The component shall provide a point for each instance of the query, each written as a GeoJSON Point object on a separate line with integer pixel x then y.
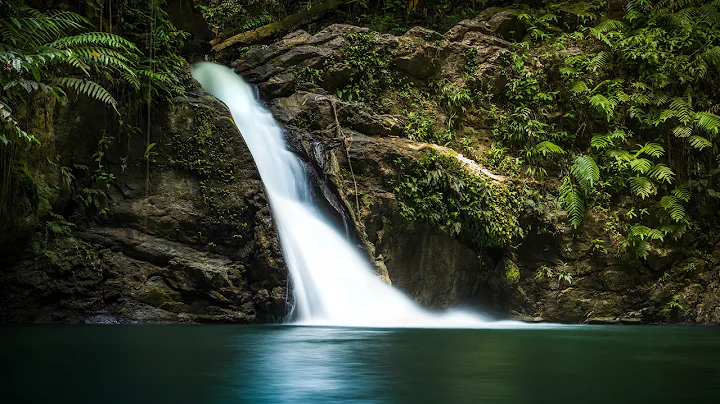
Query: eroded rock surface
{"type": "Point", "coordinates": [200, 246]}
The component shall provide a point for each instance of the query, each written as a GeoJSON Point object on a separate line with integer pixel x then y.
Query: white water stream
{"type": "Point", "coordinates": [333, 283]}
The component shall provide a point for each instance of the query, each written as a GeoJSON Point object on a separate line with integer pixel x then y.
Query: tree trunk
{"type": "Point", "coordinates": [275, 29]}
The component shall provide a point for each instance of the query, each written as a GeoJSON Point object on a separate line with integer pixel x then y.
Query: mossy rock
{"type": "Point", "coordinates": [159, 297]}
{"type": "Point", "coordinates": [511, 272]}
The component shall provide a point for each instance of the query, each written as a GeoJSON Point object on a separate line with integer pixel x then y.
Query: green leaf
{"type": "Point", "coordinates": [661, 172]}
{"type": "Point", "coordinates": [579, 87]}
{"type": "Point", "coordinates": [682, 131]}
{"type": "Point", "coordinates": [603, 140]}
{"type": "Point", "coordinates": [708, 122]}
{"type": "Point", "coordinates": [651, 149]}
{"type": "Point", "coordinates": [682, 193]}
{"type": "Point", "coordinates": [643, 233]}
{"type": "Point", "coordinates": [89, 88]}
{"type": "Point", "coordinates": [572, 201]}
{"type": "Point", "coordinates": [699, 142]}
{"type": "Point", "coordinates": [672, 206]}
{"type": "Point", "coordinates": [148, 149]}
{"type": "Point", "coordinates": [642, 187]}
{"type": "Point", "coordinates": [641, 165]}
{"type": "Point", "coordinates": [547, 147]}
{"type": "Point", "coordinates": [586, 172]}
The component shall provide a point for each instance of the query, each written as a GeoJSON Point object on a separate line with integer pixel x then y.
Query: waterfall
{"type": "Point", "coordinates": [333, 282]}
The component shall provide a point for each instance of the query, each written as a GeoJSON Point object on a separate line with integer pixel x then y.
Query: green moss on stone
{"type": "Point", "coordinates": [202, 151]}
{"type": "Point", "coordinates": [159, 297]}
{"type": "Point", "coordinates": [512, 272]}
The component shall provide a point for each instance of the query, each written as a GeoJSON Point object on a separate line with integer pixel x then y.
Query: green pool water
{"type": "Point", "coordinates": [288, 364]}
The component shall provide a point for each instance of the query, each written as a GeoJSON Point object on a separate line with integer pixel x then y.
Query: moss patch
{"type": "Point", "coordinates": [203, 150]}
{"type": "Point", "coordinates": [511, 272]}
{"type": "Point", "coordinates": [439, 191]}
{"type": "Point", "coordinates": [160, 297]}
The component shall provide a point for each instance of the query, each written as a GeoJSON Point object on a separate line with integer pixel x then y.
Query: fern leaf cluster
{"type": "Point", "coordinates": [36, 46]}
{"type": "Point", "coordinates": [638, 101]}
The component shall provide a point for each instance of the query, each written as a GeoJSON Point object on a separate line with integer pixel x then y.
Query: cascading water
{"type": "Point", "coordinates": [333, 283]}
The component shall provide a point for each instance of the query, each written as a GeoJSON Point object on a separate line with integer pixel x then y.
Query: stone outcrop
{"type": "Point", "coordinates": [200, 246]}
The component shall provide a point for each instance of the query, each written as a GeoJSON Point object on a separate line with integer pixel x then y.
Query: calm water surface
{"type": "Point", "coordinates": [285, 364]}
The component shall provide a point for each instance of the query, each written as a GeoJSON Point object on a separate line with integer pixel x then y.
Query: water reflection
{"type": "Point", "coordinates": [283, 364]}
{"type": "Point", "coordinates": [313, 364]}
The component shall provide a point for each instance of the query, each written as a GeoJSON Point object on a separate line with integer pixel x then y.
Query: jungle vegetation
{"type": "Point", "coordinates": [617, 108]}
{"type": "Point", "coordinates": [123, 54]}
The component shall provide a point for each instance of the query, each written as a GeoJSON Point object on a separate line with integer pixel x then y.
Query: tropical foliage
{"type": "Point", "coordinates": [440, 191]}
{"type": "Point", "coordinates": [51, 53]}
{"type": "Point", "coordinates": [638, 113]}
{"type": "Point", "coordinates": [62, 54]}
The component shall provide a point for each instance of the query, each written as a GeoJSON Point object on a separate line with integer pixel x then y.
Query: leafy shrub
{"type": "Point", "coordinates": [439, 191]}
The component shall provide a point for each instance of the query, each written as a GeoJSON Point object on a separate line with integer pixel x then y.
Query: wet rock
{"type": "Point", "coordinates": [617, 280]}
{"type": "Point", "coordinates": [501, 22]}
{"type": "Point", "coordinates": [187, 251]}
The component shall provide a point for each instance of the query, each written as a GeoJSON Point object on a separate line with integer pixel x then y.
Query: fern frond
{"type": "Point", "coordinates": [258, 21]}
{"type": "Point", "coordinates": [682, 193]}
{"type": "Point", "coordinates": [699, 142]}
{"type": "Point", "coordinates": [579, 87]}
{"type": "Point", "coordinates": [103, 57]}
{"type": "Point", "coordinates": [599, 61]}
{"type": "Point", "coordinates": [28, 27]}
{"type": "Point", "coordinates": [568, 71]}
{"type": "Point", "coordinates": [640, 98]}
{"type": "Point", "coordinates": [643, 233]}
{"type": "Point", "coordinates": [711, 56]}
{"type": "Point", "coordinates": [642, 187]}
{"type": "Point", "coordinates": [610, 25]}
{"type": "Point", "coordinates": [599, 35]}
{"type": "Point", "coordinates": [572, 201]}
{"type": "Point", "coordinates": [660, 98]}
{"type": "Point", "coordinates": [603, 105]}
{"type": "Point", "coordinates": [673, 207]}
{"type": "Point", "coordinates": [683, 18]}
{"type": "Point", "coordinates": [641, 165]}
{"type": "Point", "coordinates": [661, 172]}
{"type": "Point", "coordinates": [600, 141]}
{"type": "Point", "coordinates": [634, 15]}
{"type": "Point", "coordinates": [89, 88]}
{"type": "Point", "coordinates": [651, 149]}
{"type": "Point", "coordinates": [586, 172]}
{"type": "Point", "coordinates": [682, 110]}
{"type": "Point", "coordinates": [621, 155]}
{"type": "Point", "coordinates": [93, 38]}
{"type": "Point", "coordinates": [547, 147]}
{"type": "Point", "coordinates": [682, 131]}
{"type": "Point", "coordinates": [709, 14]}
{"type": "Point", "coordinates": [708, 122]}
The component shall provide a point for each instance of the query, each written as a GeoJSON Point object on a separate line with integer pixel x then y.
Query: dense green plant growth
{"type": "Point", "coordinates": [625, 108]}
{"type": "Point", "coordinates": [439, 191]}
{"type": "Point", "coordinates": [225, 16]}
{"type": "Point", "coordinates": [372, 66]}
{"type": "Point", "coordinates": [49, 53]}
{"type": "Point", "coordinates": [124, 54]}
{"type": "Point", "coordinates": [422, 127]}
{"type": "Point", "coordinates": [397, 16]}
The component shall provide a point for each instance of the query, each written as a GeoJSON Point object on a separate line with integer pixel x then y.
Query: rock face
{"type": "Point", "coordinates": [200, 246]}
{"type": "Point", "coordinates": [553, 274]}
{"type": "Point", "coordinates": [354, 147]}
